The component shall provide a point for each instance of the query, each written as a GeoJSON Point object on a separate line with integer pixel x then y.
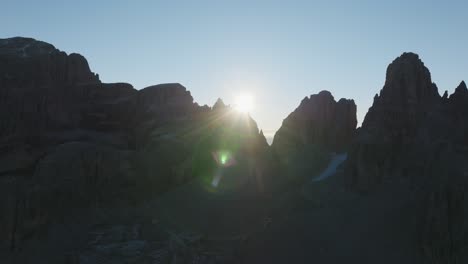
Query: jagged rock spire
{"type": "Point", "coordinates": [460, 90]}
{"type": "Point", "coordinates": [408, 81]}
{"type": "Point", "coordinates": [407, 93]}
{"type": "Point", "coordinates": [219, 104]}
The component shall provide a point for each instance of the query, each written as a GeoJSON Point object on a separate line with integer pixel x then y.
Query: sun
{"type": "Point", "coordinates": [244, 103]}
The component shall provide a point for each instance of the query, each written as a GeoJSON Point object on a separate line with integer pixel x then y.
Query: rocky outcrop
{"type": "Point", "coordinates": [458, 103]}
{"type": "Point", "coordinates": [165, 101]}
{"type": "Point", "coordinates": [219, 105]}
{"type": "Point", "coordinates": [27, 61]}
{"type": "Point", "coordinates": [319, 121]}
{"type": "Point", "coordinates": [460, 94]}
{"type": "Point", "coordinates": [413, 138]}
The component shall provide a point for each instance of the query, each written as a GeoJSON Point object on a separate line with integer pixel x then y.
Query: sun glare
{"type": "Point", "coordinates": [244, 103]}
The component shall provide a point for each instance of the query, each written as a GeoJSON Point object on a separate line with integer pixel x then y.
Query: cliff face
{"type": "Point", "coordinates": [318, 121]}
{"type": "Point", "coordinates": [413, 138]}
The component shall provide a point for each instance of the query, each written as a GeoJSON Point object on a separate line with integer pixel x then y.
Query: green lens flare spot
{"type": "Point", "coordinates": [223, 158]}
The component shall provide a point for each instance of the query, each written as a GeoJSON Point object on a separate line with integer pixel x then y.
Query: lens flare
{"type": "Point", "coordinates": [224, 159]}
{"type": "Point", "coordinates": [216, 179]}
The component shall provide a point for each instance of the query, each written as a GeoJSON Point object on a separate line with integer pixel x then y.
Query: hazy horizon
{"type": "Point", "coordinates": [277, 52]}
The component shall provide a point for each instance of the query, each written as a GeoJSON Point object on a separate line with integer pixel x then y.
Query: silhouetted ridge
{"type": "Point", "coordinates": [460, 92]}
{"type": "Point", "coordinates": [318, 121]}
{"type": "Point", "coordinates": [19, 47]}
{"type": "Point", "coordinates": [26, 60]}
{"type": "Point", "coordinates": [219, 105]}
{"type": "Point", "coordinates": [71, 144]}
{"type": "Point", "coordinates": [166, 97]}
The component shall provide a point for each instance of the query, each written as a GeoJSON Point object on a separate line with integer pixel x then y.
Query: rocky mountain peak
{"type": "Point", "coordinates": [458, 102]}
{"type": "Point", "coordinates": [445, 95]}
{"type": "Point", "coordinates": [462, 86]}
{"type": "Point", "coordinates": [219, 104]}
{"type": "Point", "coordinates": [24, 47]}
{"type": "Point", "coordinates": [461, 90]}
{"type": "Point", "coordinates": [318, 121]}
{"type": "Point", "coordinates": [407, 116]}
{"type": "Point", "coordinates": [407, 94]}
{"type": "Point", "coordinates": [27, 59]}
{"type": "Point", "coordinates": [408, 81]}
{"type": "Point", "coordinates": [262, 139]}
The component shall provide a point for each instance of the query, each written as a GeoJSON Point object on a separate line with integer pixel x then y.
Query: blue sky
{"type": "Point", "coordinates": [280, 51]}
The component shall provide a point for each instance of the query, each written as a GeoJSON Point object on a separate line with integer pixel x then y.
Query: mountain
{"type": "Point", "coordinates": [318, 120]}
{"type": "Point", "coordinates": [414, 139]}
{"type": "Point", "coordinates": [81, 158]}
{"type": "Point", "coordinates": [317, 128]}
{"type": "Point", "coordinates": [70, 142]}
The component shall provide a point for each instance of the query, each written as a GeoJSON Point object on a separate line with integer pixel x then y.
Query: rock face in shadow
{"type": "Point", "coordinates": [69, 141]}
{"type": "Point", "coordinates": [319, 122]}
{"type": "Point", "coordinates": [414, 138]}
{"type": "Point", "coordinates": [393, 121]}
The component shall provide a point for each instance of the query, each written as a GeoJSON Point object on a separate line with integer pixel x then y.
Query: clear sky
{"type": "Point", "coordinates": [279, 51]}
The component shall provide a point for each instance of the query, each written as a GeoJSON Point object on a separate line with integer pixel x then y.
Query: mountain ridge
{"type": "Point", "coordinates": [69, 141]}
